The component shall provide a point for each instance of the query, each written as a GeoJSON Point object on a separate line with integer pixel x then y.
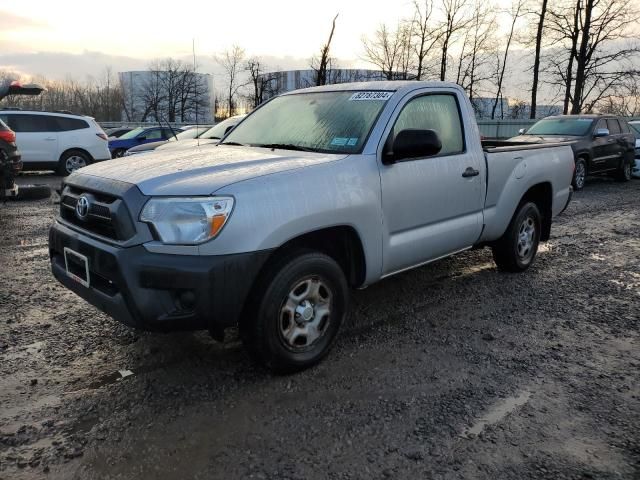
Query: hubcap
{"type": "Point", "coordinates": [305, 313]}
{"type": "Point", "coordinates": [580, 174]}
{"type": "Point", "coordinates": [526, 234]}
{"type": "Point", "coordinates": [75, 162]}
{"type": "Point", "coordinates": [627, 171]}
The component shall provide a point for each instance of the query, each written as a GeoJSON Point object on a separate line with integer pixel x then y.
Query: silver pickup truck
{"type": "Point", "coordinates": [315, 192]}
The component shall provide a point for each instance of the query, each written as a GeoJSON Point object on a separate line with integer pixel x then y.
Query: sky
{"type": "Point", "coordinates": [60, 36]}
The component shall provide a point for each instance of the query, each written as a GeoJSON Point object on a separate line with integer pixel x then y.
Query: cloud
{"type": "Point", "coordinates": [9, 21]}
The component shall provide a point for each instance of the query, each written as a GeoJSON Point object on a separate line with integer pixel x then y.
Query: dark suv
{"type": "Point", "coordinates": [601, 144]}
{"type": "Point", "coordinates": [9, 158]}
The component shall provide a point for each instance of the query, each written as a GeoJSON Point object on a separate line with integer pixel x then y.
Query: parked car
{"type": "Point", "coordinates": [210, 137]}
{"type": "Point", "coordinates": [316, 191]}
{"type": "Point", "coordinates": [139, 136]}
{"type": "Point", "coordinates": [188, 133]}
{"type": "Point", "coordinates": [56, 141]}
{"type": "Point", "coordinates": [635, 129]}
{"type": "Point", "coordinates": [601, 144]}
{"type": "Point", "coordinates": [117, 132]}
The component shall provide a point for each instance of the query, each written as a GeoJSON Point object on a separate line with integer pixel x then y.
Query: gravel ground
{"type": "Point", "coordinates": [449, 371]}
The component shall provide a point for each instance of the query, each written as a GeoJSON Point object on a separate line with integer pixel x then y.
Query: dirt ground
{"type": "Point", "coordinates": [450, 371]}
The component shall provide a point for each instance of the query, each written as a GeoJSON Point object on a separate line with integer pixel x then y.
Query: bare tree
{"type": "Point", "coordinates": [536, 62]}
{"type": "Point", "coordinates": [425, 34]}
{"type": "Point", "coordinates": [231, 60]}
{"type": "Point", "coordinates": [516, 11]}
{"type": "Point", "coordinates": [478, 50]}
{"type": "Point", "coordinates": [597, 49]}
{"type": "Point", "coordinates": [387, 49]}
{"type": "Point", "coordinates": [457, 19]}
{"type": "Point", "coordinates": [322, 65]}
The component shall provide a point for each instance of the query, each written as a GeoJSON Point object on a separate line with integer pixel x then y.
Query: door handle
{"type": "Point", "coordinates": [49, 139]}
{"type": "Point", "coordinates": [470, 172]}
{"type": "Point", "coordinates": [611, 140]}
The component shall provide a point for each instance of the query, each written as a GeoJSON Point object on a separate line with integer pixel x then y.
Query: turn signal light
{"type": "Point", "coordinates": [102, 136]}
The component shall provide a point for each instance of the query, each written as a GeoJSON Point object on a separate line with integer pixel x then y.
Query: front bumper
{"type": "Point", "coordinates": [154, 291]}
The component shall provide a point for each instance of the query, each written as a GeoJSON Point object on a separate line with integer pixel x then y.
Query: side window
{"type": "Point", "coordinates": [601, 124]}
{"type": "Point", "coordinates": [624, 126]}
{"type": "Point", "coordinates": [64, 124]}
{"type": "Point", "coordinates": [613, 126]}
{"type": "Point", "coordinates": [153, 134]}
{"type": "Point", "coordinates": [166, 133]}
{"type": "Point", "coordinates": [29, 123]}
{"type": "Point", "coordinates": [434, 112]}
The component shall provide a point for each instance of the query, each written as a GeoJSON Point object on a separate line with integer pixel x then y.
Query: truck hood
{"type": "Point", "coordinates": [203, 170]}
{"type": "Point", "coordinates": [544, 138]}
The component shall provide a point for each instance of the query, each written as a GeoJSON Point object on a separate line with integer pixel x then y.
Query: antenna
{"type": "Point", "coordinates": [195, 88]}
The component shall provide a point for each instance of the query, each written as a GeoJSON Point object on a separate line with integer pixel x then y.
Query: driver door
{"type": "Point", "coordinates": [429, 208]}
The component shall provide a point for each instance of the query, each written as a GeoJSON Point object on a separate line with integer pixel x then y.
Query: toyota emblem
{"type": "Point", "coordinates": [82, 207]}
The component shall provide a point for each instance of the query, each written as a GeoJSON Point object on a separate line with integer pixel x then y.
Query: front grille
{"type": "Point", "coordinates": [107, 215]}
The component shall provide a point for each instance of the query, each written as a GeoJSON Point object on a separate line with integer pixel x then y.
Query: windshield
{"type": "Point", "coordinates": [217, 131]}
{"type": "Point", "coordinates": [132, 134]}
{"type": "Point", "coordinates": [334, 122]}
{"type": "Point", "coordinates": [188, 134]}
{"type": "Point", "coordinates": [561, 126]}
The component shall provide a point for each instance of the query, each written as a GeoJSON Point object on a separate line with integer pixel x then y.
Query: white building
{"type": "Point", "coordinates": [163, 96]}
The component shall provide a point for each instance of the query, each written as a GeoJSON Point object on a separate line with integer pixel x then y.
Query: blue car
{"type": "Point", "coordinates": [138, 136]}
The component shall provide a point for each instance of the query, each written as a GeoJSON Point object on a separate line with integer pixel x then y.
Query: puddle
{"type": "Point", "coordinates": [497, 413]}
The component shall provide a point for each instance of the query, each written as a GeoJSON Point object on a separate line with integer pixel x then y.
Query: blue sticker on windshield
{"type": "Point", "coordinates": [352, 142]}
{"type": "Point", "coordinates": [340, 141]}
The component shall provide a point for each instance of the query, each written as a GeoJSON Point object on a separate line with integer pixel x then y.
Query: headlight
{"type": "Point", "coordinates": [187, 221]}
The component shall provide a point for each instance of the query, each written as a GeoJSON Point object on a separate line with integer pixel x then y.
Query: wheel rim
{"type": "Point", "coordinates": [580, 174]}
{"type": "Point", "coordinates": [74, 162]}
{"type": "Point", "coordinates": [526, 237]}
{"type": "Point", "coordinates": [119, 153]}
{"type": "Point", "coordinates": [305, 314]}
{"type": "Point", "coordinates": [627, 171]}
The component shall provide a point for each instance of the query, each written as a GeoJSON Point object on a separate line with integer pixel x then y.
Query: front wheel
{"type": "Point", "coordinates": [517, 248]}
{"type": "Point", "coordinates": [624, 172]}
{"type": "Point", "coordinates": [579, 174]}
{"type": "Point", "coordinates": [297, 307]}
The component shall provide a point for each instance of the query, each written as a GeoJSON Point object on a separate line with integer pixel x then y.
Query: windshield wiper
{"type": "Point", "coordinates": [233, 143]}
{"type": "Point", "coordinates": [284, 146]}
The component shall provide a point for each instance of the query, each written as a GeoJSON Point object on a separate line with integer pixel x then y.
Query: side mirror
{"type": "Point", "coordinates": [522, 131]}
{"type": "Point", "coordinates": [413, 143]}
{"type": "Point", "coordinates": [142, 139]}
{"type": "Point", "coordinates": [229, 128]}
{"type": "Point", "coordinates": [601, 132]}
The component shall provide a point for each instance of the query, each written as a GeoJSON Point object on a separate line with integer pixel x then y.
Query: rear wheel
{"type": "Point", "coordinates": [517, 248]}
{"type": "Point", "coordinates": [580, 174]}
{"type": "Point", "coordinates": [296, 310]}
{"type": "Point", "coordinates": [72, 161]}
{"type": "Point", "coordinates": [33, 192]}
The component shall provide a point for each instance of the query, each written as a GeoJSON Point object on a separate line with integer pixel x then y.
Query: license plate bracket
{"type": "Point", "coordinates": [77, 266]}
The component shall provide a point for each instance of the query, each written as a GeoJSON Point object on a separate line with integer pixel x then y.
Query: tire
{"type": "Point", "coordinates": [72, 161]}
{"type": "Point", "coordinates": [624, 172]}
{"type": "Point", "coordinates": [579, 174]}
{"type": "Point", "coordinates": [118, 153]}
{"type": "Point", "coordinates": [295, 311]}
{"type": "Point", "coordinates": [33, 192]}
{"type": "Point", "coordinates": [516, 250]}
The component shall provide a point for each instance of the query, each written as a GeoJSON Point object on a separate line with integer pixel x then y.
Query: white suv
{"type": "Point", "coordinates": [58, 141]}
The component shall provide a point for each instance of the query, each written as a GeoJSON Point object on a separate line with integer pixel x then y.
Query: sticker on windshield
{"type": "Point", "coordinates": [362, 96]}
{"type": "Point", "coordinates": [344, 141]}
